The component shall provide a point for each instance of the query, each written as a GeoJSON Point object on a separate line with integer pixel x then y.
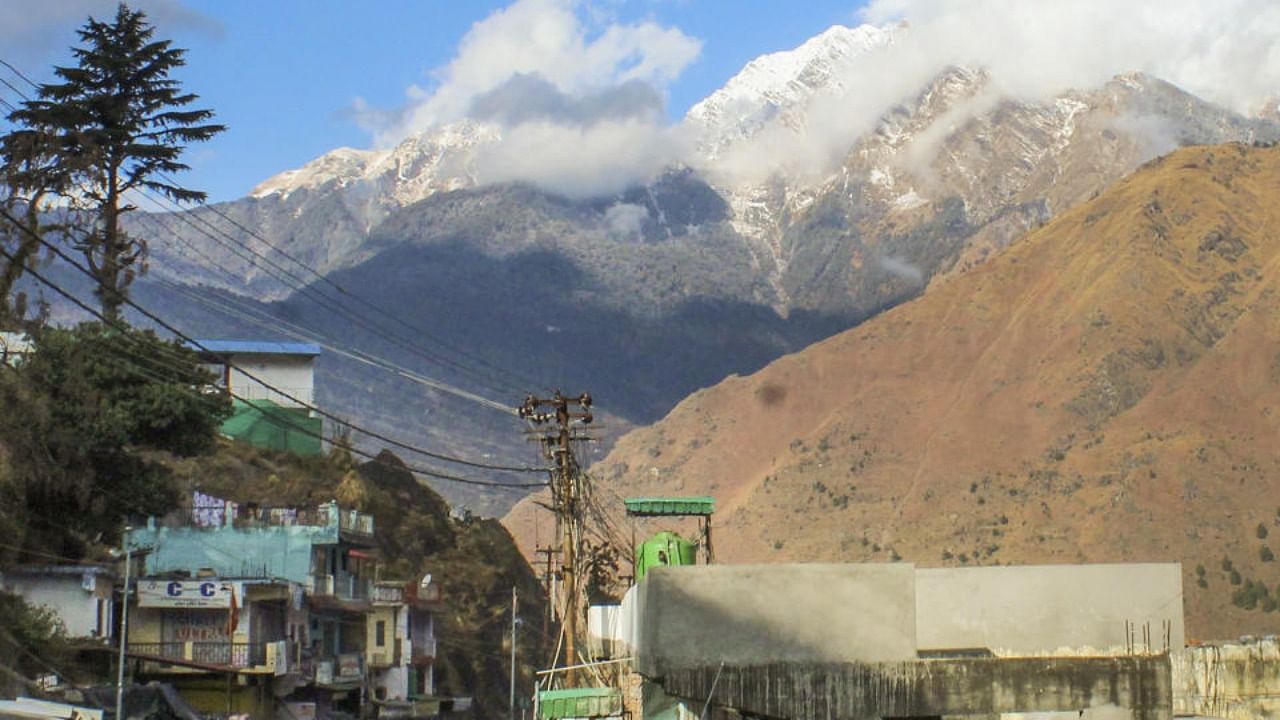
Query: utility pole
{"type": "Point", "coordinates": [547, 577]}
{"type": "Point", "coordinates": [124, 626]}
{"type": "Point", "coordinates": [569, 492]}
{"type": "Point", "coordinates": [513, 652]}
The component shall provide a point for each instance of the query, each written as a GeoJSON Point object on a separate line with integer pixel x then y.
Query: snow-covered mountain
{"type": "Point", "coordinates": [434, 161]}
{"type": "Point", "coordinates": [777, 89]}
{"type": "Point", "coordinates": [648, 295]}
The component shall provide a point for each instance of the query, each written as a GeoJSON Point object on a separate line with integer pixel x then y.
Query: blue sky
{"type": "Point", "coordinates": [283, 75]}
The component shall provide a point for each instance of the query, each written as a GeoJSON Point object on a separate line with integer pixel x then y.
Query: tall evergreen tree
{"type": "Point", "coordinates": [116, 124]}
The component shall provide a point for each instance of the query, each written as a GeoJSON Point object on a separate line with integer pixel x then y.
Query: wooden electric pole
{"type": "Point", "coordinates": [569, 492]}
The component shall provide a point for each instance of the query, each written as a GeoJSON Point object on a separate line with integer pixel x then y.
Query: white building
{"type": "Point", "coordinates": [14, 347]}
{"type": "Point", "coordinates": [283, 372]}
{"type": "Point", "coordinates": [80, 595]}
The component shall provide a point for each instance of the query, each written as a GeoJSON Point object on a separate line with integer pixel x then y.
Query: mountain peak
{"type": "Point", "coordinates": [781, 82]}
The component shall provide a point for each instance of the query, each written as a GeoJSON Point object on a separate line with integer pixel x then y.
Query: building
{"type": "Point", "coordinates": [80, 595]}
{"type": "Point", "coordinates": [893, 640]}
{"type": "Point", "coordinates": [14, 347]}
{"type": "Point", "coordinates": [273, 389]}
{"type": "Point", "coordinates": [246, 608]}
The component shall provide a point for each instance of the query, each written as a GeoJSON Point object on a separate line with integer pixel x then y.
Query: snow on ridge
{"type": "Point", "coordinates": [781, 81]}
{"type": "Point", "coordinates": [435, 159]}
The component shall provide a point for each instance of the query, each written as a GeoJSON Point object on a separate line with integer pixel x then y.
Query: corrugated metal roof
{"type": "Point", "coordinates": [659, 506]}
{"type": "Point", "coordinates": [254, 347]}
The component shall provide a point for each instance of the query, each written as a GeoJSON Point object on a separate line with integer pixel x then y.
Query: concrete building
{"type": "Point", "coordinates": [80, 595]}
{"type": "Point", "coordinates": [273, 389]}
{"type": "Point", "coordinates": [874, 641]}
{"type": "Point", "coordinates": [244, 608]}
{"type": "Point", "coordinates": [284, 366]}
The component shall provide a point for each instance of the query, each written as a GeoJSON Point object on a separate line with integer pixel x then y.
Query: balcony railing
{"type": "Point", "coordinates": [214, 513]}
{"type": "Point", "coordinates": [267, 656]}
{"type": "Point", "coordinates": [424, 650]}
{"type": "Point", "coordinates": [340, 669]}
{"type": "Point", "coordinates": [346, 587]}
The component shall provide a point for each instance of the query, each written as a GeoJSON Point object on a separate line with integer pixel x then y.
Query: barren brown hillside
{"type": "Point", "coordinates": [1107, 389]}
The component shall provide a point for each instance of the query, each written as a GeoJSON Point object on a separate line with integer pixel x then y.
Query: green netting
{"type": "Point", "coordinates": [268, 425]}
{"type": "Point", "coordinates": [579, 703]}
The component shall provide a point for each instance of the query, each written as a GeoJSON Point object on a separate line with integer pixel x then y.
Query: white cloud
{"type": "Point", "coordinates": [549, 39]}
{"type": "Point", "coordinates": [579, 101]}
{"type": "Point", "coordinates": [904, 269]}
{"type": "Point", "coordinates": [626, 220]}
{"type": "Point", "coordinates": [1227, 51]}
{"type": "Point", "coordinates": [601, 159]}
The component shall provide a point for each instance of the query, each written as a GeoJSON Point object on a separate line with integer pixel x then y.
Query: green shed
{"type": "Point", "coordinates": [664, 548]}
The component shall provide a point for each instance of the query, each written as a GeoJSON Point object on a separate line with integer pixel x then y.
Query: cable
{"type": "Point", "coordinates": [343, 291]}
{"type": "Point", "coordinates": [195, 344]}
{"type": "Point", "coordinates": [18, 72]}
{"type": "Point", "coordinates": [297, 284]}
{"type": "Point", "coordinates": [288, 421]}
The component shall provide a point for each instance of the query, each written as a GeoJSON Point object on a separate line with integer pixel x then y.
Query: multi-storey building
{"type": "Point", "coordinates": [245, 608]}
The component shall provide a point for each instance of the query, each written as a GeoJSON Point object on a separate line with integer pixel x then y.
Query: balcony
{"type": "Point", "coordinates": [424, 650]}
{"type": "Point", "coordinates": [260, 657]}
{"type": "Point", "coordinates": [339, 671]}
{"type": "Point", "coordinates": [343, 587]}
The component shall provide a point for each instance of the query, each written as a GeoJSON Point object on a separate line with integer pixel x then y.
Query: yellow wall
{"type": "Point", "coordinates": [144, 625]}
{"type": "Point", "coordinates": [208, 694]}
{"type": "Point", "coordinates": [388, 616]}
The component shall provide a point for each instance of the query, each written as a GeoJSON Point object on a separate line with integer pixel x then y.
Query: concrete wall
{"type": "Point", "coordinates": [1135, 687]}
{"type": "Point", "coordinates": [86, 613]}
{"type": "Point", "coordinates": [279, 551]}
{"type": "Point", "coordinates": [1237, 681]}
{"type": "Point", "coordinates": [294, 374]}
{"type": "Point", "coordinates": [1042, 609]}
{"type": "Point", "coordinates": [701, 616]}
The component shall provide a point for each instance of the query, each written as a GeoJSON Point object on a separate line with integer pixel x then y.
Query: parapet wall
{"type": "Point", "coordinates": [692, 617]}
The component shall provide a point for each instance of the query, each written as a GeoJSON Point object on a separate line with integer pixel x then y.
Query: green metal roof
{"type": "Point", "coordinates": [658, 506]}
{"type": "Point", "coordinates": [579, 703]}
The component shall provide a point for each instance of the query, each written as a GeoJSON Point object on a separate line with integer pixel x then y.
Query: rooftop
{"type": "Point", "coordinates": [670, 506]}
{"type": "Point", "coordinates": [254, 347]}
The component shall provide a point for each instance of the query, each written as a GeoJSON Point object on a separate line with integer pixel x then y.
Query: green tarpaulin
{"type": "Point", "coordinates": [268, 425]}
{"type": "Point", "coordinates": [579, 703]}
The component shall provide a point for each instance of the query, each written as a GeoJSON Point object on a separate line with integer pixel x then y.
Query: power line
{"type": "Point", "coordinates": [347, 293]}
{"type": "Point", "coordinates": [298, 284]}
{"type": "Point", "coordinates": [195, 344]}
{"type": "Point", "coordinates": [293, 282]}
{"type": "Point", "coordinates": [361, 356]}
{"type": "Point", "coordinates": [19, 73]}
{"type": "Point", "coordinates": [83, 306]}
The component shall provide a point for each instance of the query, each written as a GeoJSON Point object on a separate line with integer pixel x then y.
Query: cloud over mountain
{"type": "Point", "coordinates": [572, 95]}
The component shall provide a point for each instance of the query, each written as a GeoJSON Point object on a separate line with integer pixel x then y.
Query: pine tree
{"type": "Point", "coordinates": [116, 124]}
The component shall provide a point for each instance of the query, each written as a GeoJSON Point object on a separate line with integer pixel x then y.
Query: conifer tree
{"type": "Point", "coordinates": [116, 124]}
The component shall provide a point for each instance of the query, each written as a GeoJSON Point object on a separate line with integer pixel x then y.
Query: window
{"type": "Point", "coordinates": [380, 633]}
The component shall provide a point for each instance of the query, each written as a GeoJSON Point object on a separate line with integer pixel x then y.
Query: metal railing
{"type": "Point", "coordinates": [225, 654]}
{"type": "Point", "coordinates": [424, 649]}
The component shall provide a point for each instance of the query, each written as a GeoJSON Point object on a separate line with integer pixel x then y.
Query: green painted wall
{"type": "Point", "coordinates": [664, 548]}
{"type": "Point", "coordinates": [276, 551]}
